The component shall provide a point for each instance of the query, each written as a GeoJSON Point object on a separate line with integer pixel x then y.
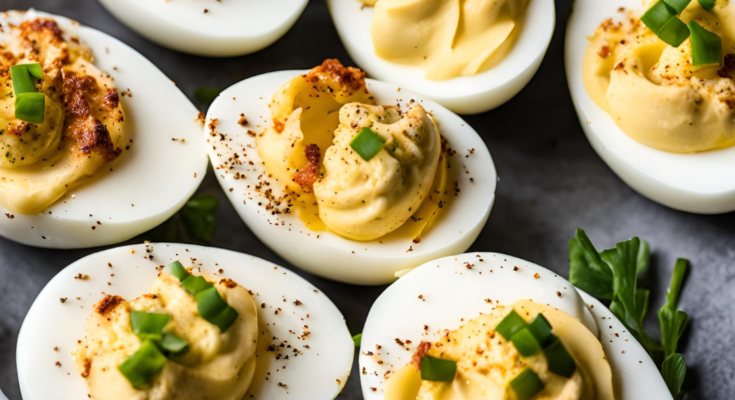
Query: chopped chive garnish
{"type": "Point", "coordinates": [526, 385]}
{"type": "Point", "coordinates": [541, 329]}
{"type": "Point", "coordinates": [214, 309]}
{"type": "Point", "coordinates": [174, 344]}
{"type": "Point", "coordinates": [30, 107]}
{"type": "Point", "coordinates": [559, 360]}
{"type": "Point", "coordinates": [511, 324]}
{"type": "Point", "coordinates": [143, 365]}
{"type": "Point", "coordinates": [22, 80]}
{"type": "Point", "coordinates": [35, 70]}
{"type": "Point", "coordinates": [707, 4]}
{"type": "Point", "coordinates": [195, 284]}
{"type": "Point", "coordinates": [437, 369]}
{"type": "Point", "coordinates": [658, 15]}
{"type": "Point", "coordinates": [148, 325]}
{"type": "Point", "coordinates": [366, 143]}
{"type": "Point", "coordinates": [706, 46]}
{"type": "Point", "coordinates": [357, 339]}
{"type": "Point", "coordinates": [525, 342]}
{"type": "Point", "coordinates": [678, 5]}
{"type": "Point", "coordinates": [674, 32]}
{"type": "Point", "coordinates": [176, 270]}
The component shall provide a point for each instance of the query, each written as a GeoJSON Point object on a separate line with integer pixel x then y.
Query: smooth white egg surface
{"type": "Point", "coordinates": [210, 27]}
{"type": "Point", "coordinates": [160, 167]}
{"type": "Point", "coordinates": [312, 366]}
{"type": "Point", "coordinates": [446, 293]}
{"type": "Point", "coordinates": [699, 182]}
{"type": "Point", "coordinates": [466, 94]}
{"type": "Point", "coordinates": [232, 150]}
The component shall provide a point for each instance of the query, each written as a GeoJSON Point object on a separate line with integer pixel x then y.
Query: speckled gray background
{"type": "Point", "coordinates": [551, 182]}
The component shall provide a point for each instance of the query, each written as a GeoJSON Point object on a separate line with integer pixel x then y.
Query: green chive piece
{"type": "Point", "coordinates": [678, 5]}
{"type": "Point", "coordinates": [195, 284]}
{"type": "Point", "coordinates": [559, 360]}
{"type": "Point", "coordinates": [22, 81]}
{"type": "Point", "coordinates": [674, 32]}
{"type": "Point", "coordinates": [214, 309]}
{"type": "Point", "coordinates": [367, 144]}
{"type": "Point", "coordinates": [35, 70]}
{"type": "Point", "coordinates": [176, 270]}
{"type": "Point", "coordinates": [541, 329]}
{"type": "Point", "coordinates": [357, 339]}
{"type": "Point", "coordinates": [706, 46]}
{"type": "Point", "coordinates": [526, 385]}
{"type": "Point", "coordinates": [511, 324]}
{"type": "Point", "coordinates": [174, 344]}
{"type": "Point", "coordinates": [658, 15]}
{"type": "Point", "coordinates": [525, 342]}
{"type": "Point", "coordinates": [143, 365]}
{"type": "Point", "coordinates": [30, 107]}
{"type": "Point", "coordinates": [148, 325]}
{"type": "Point", "coordinates": [437, 369]}
{"type": "Point", "coordinates": [707, 4]}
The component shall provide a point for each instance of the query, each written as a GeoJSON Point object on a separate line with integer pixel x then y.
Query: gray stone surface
{"type": "Point", "coordinates": [551, 182]}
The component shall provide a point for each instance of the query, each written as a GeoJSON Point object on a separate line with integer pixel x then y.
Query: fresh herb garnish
{"type": "Point", "coordinates": [613, 275]}
{"type": "Point", "coordinates": [357, 339]}
{"type": "Point", "coordinates": [437, 369]}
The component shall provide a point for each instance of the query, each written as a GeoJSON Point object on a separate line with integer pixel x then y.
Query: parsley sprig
{"type": "Point", "coordinates": [613, 275]}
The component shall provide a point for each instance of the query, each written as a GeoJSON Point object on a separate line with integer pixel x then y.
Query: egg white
{"type": "Point", "coordinates": [699, 182]}
{"type": "Point", "coordinates": [452, 294]}
{"type": "Point", "coordinates": [319, 373]}
{"type": "Point", "coordinates": [464, 95]}
{"type": "Point", "coordinates": [148, 183]}
{"type": "Point", "coordinates": [325, 253]}
{"type": "Point", "coordinates": [228, 28]}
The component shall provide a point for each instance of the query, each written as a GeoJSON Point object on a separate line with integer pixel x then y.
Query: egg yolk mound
{"type": "Point", "coordinates": [217, 366]}
{"type": "Point", "coordinates": [83, 123]}
{"type": "Point", "coordinates": [445, 38]}
{"type": "Point", "coordinates": [308, 149]}
{"type": "Point", "coordinates": [486, 362]}
{"type": "Point", "coordinates": [652, 91]}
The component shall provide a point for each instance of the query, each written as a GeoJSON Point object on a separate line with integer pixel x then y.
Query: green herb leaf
{"type": "Point", "coordinates": [367, 144]}
{"type": "Point", "coordinates": [658, 15]}
{"type": "Point", "coordinates": [672, 320]}
{"type": "Point", "coordinates": [678, 5]}
{"type": "Point", "coordinates": [706, 46]}
{"type": "Point", "coordinates": [195, 284]}
{"type": "Point", "coordinates": [174, 344]}
{"type": "Point", "coordinates": [214, 309]}
{"type": "Point", "coordinates": [587, 270]}
{"type": "Point", "coordinates": [177, 270]}
{"type": "Point", "coordinates": [30, 107]}
{"type": "Point", "coordinates": [526, 344]}
{"type": "Point", "coordinates": [643, 264]}
{"type": "Point", "coordinates": [526, 385]}
{"type": "Point", "coordinates": [674, 32]}
{"type": "Point", "coordinates": [674, 371]}
{"type": "Point", "coordinates": [198, 217]}
{"type": "Point", "coordinates": [707, 4]}
{"type": "Point", "coordinates": [541, 329]}
{"type": "Point", "coordinates": [22, 79]}
{"type": "Point", "coordinates": [357, 339]}
{"type": "Point", "coordinates": [147, 325]}
{"type": "Point", "coordinates": [511, 324]}
{"type": "Point", "coordinates": [558, 359]}
{"type": "Point", "coordinates": [437, 369]}
{"type": "Point", "coordinates": [143, 365]}
{"type": "Point", "coordinates": [206, 95]}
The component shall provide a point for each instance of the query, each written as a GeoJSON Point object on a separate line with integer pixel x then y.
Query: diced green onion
{"type": "Point", "coordinates": [674, 32]}
{"type": "Point", "coordinates": [525, 342]}
{"type": "Point", "coordinates": [357, 339]}
{"type": "Point", "coordinates": [176, 270]}
{"type": "Point", "coordinates": [22, 81]}
{"type": "Point", "coordinates": [437, 369]}
{"type": "Point", "coordinates": [195, 284]}
{"type": "Point", "coordinates": [658, 15]}
{"type": "Point", "coordinates": [174, 344]}
{"type": "Point", "coordinates": [526, 385]}
{"type": "Point", "coordinates": [214, 309]}
{"type": "Point", "coordinates": [148, 325]}
{"type": "Point", "coordinates": [678, 5]}
{"type": "Point", "coordinates": [706, 46]}
{"type": "Point", "coordinates": [558, 359]}
{"type": "Point", "coordinates": [541, 329]}
{"type": "Point", "coordinates": [707, 4]}
{"type": "Point", "coordinates": [143, 365]}
{"type": "Point", "coordinates": [30, 107]}
{"type": "Point", "coordinates": [511, 324]}
{"type": "Point", "coordinates": [366, 143]}
{"type": "Point", "coordinates": [35, 70]}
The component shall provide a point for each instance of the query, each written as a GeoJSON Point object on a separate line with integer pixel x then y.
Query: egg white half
{"type": "Point", "coordinates": [325, 253]}
{"type": "Point", "coordinates": [318, 373]}
{"type": "Point", "coordinates": [148, 183]}
{"type": "Point", "coordinates": [464, 95]}
{"type": "Point", "coordinates": [699, 182]}
{"type": "Point", "coordinates": [456, 289]}
{"type": "Point", "coordinates": [227, 28]}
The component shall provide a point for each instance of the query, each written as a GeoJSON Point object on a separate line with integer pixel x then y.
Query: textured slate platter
{"type": "Point", "coordinates": [551, 182]}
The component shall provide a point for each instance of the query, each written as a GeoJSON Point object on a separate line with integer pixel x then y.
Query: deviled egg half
{"type": "Point", "coordinates": [492, 326]}
{"type": "Point", "coordinates": [468, 56]}
{"type": "Point", "coordinates": [96, 144]}
{"type": "Point", "coordinates": [348, 178]}
{"type": "Point", "coordinates": [654, 88]}
{"type": "Point", "coordinates": [172, 321]}
{"type": "Point", "coordinates": [212, 28]}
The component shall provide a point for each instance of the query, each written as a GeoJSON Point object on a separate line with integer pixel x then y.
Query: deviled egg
{"type": "Point", "coordinates": [468, 56]}
{"type": "Point", "coordinates": [87, 159]}
{"type": "Point", "coordinates": [488, 325]}
{"type": "Point", "coordinates": [654, 90]}
{"type": "Point", "coordinates": [212, 28]}
{"type": "Point", "coordinates": [341, 184]}
{"type": "Point", "coordinates": [172, 321]}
